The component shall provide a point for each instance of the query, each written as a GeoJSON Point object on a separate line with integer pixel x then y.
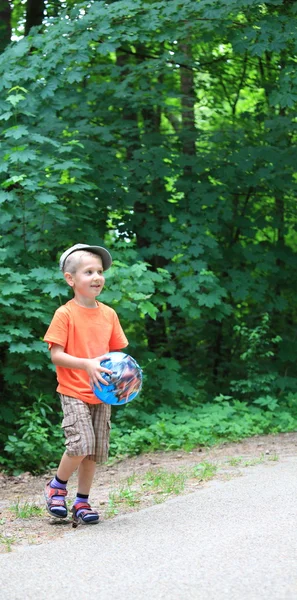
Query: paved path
{"type": "Point", "coordinates": [231, 540]}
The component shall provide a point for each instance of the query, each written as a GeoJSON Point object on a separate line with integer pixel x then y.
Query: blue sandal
{"type": "Point", "coordinates": [56, 507]}
{"type": "Point", "coordinates": [86, 515]}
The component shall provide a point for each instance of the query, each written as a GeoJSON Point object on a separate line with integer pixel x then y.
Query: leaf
{"type": "Point", "coordinates": [42, 274]}
{"type": "Point", "coordinates": [15, 99]}
{"type": "Point", "coordinates": [16, 132]}
{"type": "Point", "coordinates": [54, 289]}
{"type": "Point", "coordinates": [147, 308]}
{"type": "Point", "coordinates": [5, 116]}
{"type": "Point", "coordinates": [13, 288]}
{"type": "Point", "coordinates": [22, 154]}
{"type": "Point", "coordinates": [4, 196]}
{"type": "Point", "coordinates": [75, 75]}
{"type": "Point", "coordinates": [177, 300]}
{"type": "Point", "coordinates": [210, 300]}
{"type": "Point", "coordinates": [46, 198]}
{"type": "Point", "coordinates": [19, 348]}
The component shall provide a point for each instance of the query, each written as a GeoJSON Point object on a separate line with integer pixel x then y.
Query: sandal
{"type": "Point", "coordinates": [86, 515]}
{"type": "Point", "coordinates": [56, 507]}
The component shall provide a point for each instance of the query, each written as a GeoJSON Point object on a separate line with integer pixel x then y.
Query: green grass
{"type": "Point", "coordinates": [165, 482]}
{"type": "Point", "coordinates": [7, 541]}
{"type": "Point", "coordinates": [204, 471]}
{"type": "Point", "coordinates": [124, 496]}
{"type": "Point", "coordinates": [157, 485]}
{"type": "Point", "coordinates": [273, 457]}
{"type": "Point", "coordinates": [26, 510]}
{"type": "Point", "coordinates": [240, 462]}
{"type": "Point", "coordinates": [235, 461]}
{"type": "Point", "coordinates": [254, 461]}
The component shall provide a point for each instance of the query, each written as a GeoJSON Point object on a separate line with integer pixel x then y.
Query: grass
{"type": "Point", "coordinates": [125, 496]}
{"type": "Point", "coordinates": [155, 485]}
{"type": "Point", "coordinates": [235, 461]}
{"type": "Point", "coordinates": [165, 482]}
{"type": "Point", "coordinates": [26, 510]}
{"type": "Point", "coordinates": [273, 457]}
{"type": "Point", "coordinates": [7, 541]}
{"type": "Point", "coordinates": [204, 471]}
{"type": "Point", "coordinates": [240, 462]}
{"type": "Point", "coordinates": [253, 461]}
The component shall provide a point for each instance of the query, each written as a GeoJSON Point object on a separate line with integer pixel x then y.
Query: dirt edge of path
{"type": "Point", "coordinates": [130, 484]}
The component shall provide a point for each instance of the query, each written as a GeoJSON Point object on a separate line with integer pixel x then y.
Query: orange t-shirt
{"type": "Point", "coordinates": [84, 333]}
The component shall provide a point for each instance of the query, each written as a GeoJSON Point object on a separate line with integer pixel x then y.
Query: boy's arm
{"type": "Point", "coordinates": [91, 365]}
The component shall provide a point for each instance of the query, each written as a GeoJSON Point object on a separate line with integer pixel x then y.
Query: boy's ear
{"type": "Point", "coordinates": [69, 279]}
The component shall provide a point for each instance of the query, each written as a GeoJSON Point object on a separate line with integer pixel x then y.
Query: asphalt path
{"type": "Point", "coordinates": [230, 540]}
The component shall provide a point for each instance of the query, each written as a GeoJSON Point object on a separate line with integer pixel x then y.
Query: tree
{"type": "Point", "coordinates": [168, 131]}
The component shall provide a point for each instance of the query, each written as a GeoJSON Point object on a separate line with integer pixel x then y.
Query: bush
{"type": "Point", "coordinates": [37, 445]}
{"type": "Point", "coordinates": [226, 419]}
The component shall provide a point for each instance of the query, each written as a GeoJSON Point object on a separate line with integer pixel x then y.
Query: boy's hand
{"type": "Point", "coordinates": [94, 370]}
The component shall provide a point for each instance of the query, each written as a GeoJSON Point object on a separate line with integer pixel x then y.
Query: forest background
{"type": "Point", "coordinates": [165, 130]}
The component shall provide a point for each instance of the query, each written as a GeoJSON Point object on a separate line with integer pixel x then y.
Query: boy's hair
{"type": "Point", "coordinates": [73, 261]}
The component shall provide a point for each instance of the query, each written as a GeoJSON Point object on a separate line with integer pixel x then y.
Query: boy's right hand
{"type": "Point", "coordinates": [94, 370]}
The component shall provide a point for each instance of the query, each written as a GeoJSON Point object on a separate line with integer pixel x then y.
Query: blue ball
{"type": "Point", "coordinates": [125, 382]}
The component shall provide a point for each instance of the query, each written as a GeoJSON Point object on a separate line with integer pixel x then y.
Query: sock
{"type": "Point", "coordinates": [84, 498]}
{"type": "Point", "coordinates": [80, 498]}
{"type": "Point", "coordinates": [58, 483]}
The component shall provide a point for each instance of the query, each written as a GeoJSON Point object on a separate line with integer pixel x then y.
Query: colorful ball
{"type": "Point", "coordinates": [125, 382]}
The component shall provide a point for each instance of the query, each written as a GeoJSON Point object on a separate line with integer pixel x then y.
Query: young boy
{"type": "Point", "coordinates": [81, 333]}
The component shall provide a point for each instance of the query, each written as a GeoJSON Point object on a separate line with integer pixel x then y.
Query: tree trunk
{"type": "Point", "coordinates": [5, 24]}
{"type": "Point", "coordinates": [34, 14]}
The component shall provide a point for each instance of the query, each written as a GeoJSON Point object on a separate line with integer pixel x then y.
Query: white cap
{"type": "Point", "coordinates": [102, 252]}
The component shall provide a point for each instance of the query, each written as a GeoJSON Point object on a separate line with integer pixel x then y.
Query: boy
{"type": "Point", "coordinates": [81, 333]}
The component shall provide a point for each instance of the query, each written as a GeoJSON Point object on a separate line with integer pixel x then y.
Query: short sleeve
{"type": "Point", "coordinates": [57, 332]}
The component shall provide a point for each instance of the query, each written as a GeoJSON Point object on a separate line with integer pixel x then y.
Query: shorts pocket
{"type": "Point", "coordinates": [69, 421]}
{"type": "Point", "coordinates": [69, 424]}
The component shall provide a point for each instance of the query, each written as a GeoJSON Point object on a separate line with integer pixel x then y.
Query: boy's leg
{"type": "Point", "coordinates": [87, 429]}
{"type": "Point", "coordinates": [55, 490]}
{"type": "Point", "coordinates": [80, 441]}
{"type": "Point", "coordinates": [86, 472]}
{"type": "Point", "coordinates": [82, 512]}
{"type": "Point", "coordinates": [68, 465]}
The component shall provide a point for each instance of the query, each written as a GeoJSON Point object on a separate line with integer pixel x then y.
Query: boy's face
{"type": "Point", "coordinates": [88, 280]}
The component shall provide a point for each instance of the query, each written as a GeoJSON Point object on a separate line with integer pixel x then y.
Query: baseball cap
{"type": "Point", "coordinates": [102, 252]}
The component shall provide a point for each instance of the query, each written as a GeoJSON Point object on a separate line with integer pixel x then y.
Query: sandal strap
{"type": "Point", "coordinates": [56, 502]}
{"type": "Point", "coordinates": [84, 507]}
{"type": "Point", "coordinates": [56, 492]}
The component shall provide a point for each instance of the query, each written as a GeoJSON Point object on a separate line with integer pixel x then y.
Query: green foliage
{"type": "Point", "coordinates": [167, 131]}
{"type": "Point", "coordinates": [225, 419]}
{"type": "Point", "coordinates": [257, 350]}
{"type": "Point", "coordinates": [37, 443]}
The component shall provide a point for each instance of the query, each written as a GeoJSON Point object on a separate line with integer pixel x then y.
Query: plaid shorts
{"type": "Point", "coordinates": [86, 428]}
